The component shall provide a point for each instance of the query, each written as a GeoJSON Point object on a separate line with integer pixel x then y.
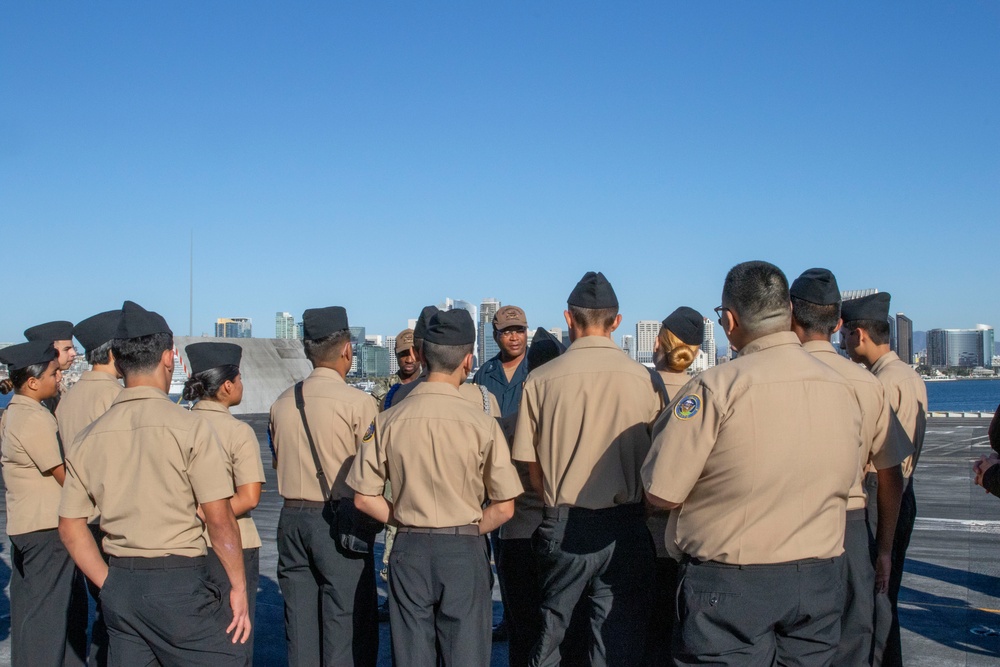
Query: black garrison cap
{"type": "Point", "coordinates": [50, 331]}
{"type": "Point", "coordinates": [687, 324]}
{"type": "Point", "coordinates": [204, 356]}
{"type": "Point", "coordinates": [98, 329]}
{"type": "Point", "coordinates": [420, 328]}
{"type": "Point", "coordinates": [593, 291]}
{"type": "Point", "coordinates": [136, 321]}
{"type": "Point", "coordinates": [27, 354]}
{"type": "Point", "coordinates": [319, 323]}
{"type": "Point", "coordinates": [872, 307]}
{"type": "Point", "coordinates": [451, 327]}
{"type": "Point", "coordinates": [818, 286]}
{"type": "Point", "coordinates": [544, 348]}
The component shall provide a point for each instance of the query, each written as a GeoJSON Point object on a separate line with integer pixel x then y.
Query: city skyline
{"type": "Point", "coordinates": [378, 157]}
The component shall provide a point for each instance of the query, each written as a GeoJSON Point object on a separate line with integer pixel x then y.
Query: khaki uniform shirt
{"type": "Point", "coordinates": [146, 464]}
{"type": "Point", "coordinates": [662, 524]}
{"type": "Point", "coordinates": [907, 395]}
{"type": "Point", "coordinates": [338, 417]}
{"type": "Point", "coordinates": [762, 453]}
{"type": "Point", "coordinates": [585, 418]}
{"type": "Point", "coordinates": [443, 456]}
{"type": "Point", "coordinates": [85, 401]}
{"type": "Point", "coordinates": [239, 442]}
{"type": "Point", "coordinates": [469, 391]}
{"type": "Point", "coordinates": [883, 442]}
{"type": "Point", "coordinates": [29, 447]}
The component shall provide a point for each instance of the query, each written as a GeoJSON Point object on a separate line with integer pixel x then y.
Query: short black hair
{"type": "Point", "coordinates": [758, 292]}
{"type": "Point", "coordinates": [445, 358]}
{"type": "Point", "coordinates": [17, 378]}
{"type": "Point", "coordinates": [593, 317]}
{"type": "Point", "coordinates": [878, 330]}
{"type": "Point", "coordinates": [141, 354]}
{"type": "Point", "coordinates": [815, 318]}
{"type": "Point", "coordinates": [99, 355]}
{"type": "Point", "coordinates": [326, 348]}
{"type": "Point", "coordinates": [207, 383]}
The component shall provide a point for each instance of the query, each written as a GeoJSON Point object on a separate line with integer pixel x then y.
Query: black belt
{"type": "Point", "coordinates": [157, 563]}
{"type": "Point", "coordinates": [856, 515]}
{"type": "Point", "coordinates": [468, 529]}
{"type": "Point", "coordinates": [805, 563]}
{"type": "Point", "coordinates": [566, 512]}
{"type": "Point", "coordinates": [305, 504]}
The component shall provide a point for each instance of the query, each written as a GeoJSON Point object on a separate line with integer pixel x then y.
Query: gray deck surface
{"type": "Point", "coordinates": [949, 604]}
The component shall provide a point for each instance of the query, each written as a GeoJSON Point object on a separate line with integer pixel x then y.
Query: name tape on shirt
{"type": "Point", "coordinates": [687, 407]}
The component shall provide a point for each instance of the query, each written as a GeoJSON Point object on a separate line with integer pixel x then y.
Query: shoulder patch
{"type": "Point", "coordinates": [687, 407]}
{"type": "Point", "coordinates": [370, 433]}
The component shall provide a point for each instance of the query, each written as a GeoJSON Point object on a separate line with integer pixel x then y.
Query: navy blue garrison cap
{"type": "Point", "coordinates": [594, 292]}
{"type": "Point", "coordinates": [136, 322]}
{"type": "Point", "coordinates": [50, 331]}
{"type": "Point", "coordinates": [205, 356]}
{"type": "Point", "coordinates": [98, 329]}
{"type": "Point", "coordinates": [818, 286]}
{"type": "Point", "coordinates": [687, 324]}
{"type": "Point", "coordinates": [319, 323]}
{"type": "Point", "coordinates": [28, 354]}
{"type": "Point", "coordinates": [872, 307]}
{"type": "Point", "coordinates": [420, 328]}
{"type": "Point", "coordinates": [451, 327]}
{"type": "Point", "coordinates": [544, 348]}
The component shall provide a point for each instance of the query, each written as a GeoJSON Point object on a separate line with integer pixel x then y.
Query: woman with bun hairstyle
{"type": "Point", "coordinates": [216, 385]}
{"type": "Point", "coordinates": [674, 350]}
{"type": "Point", "coordinates": [42, 573]}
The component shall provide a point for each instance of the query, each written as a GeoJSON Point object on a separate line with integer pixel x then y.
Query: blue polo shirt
{"type": "Point", "coordinates": [491, 376]}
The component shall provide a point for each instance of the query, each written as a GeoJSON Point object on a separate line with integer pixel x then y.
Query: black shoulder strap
{"type": "Point", "coordinates": [658, 385]}
{"type": "Point", "coordinates": [300, 403]}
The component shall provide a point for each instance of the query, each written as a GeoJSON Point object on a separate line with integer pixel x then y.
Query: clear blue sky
{"type": "Point", "coordinates": [383, 156]}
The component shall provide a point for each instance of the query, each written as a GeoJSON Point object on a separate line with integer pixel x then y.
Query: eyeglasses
{"type": "Point", "coordinates": [510, 332]}
{"type": "Point", "coordinates": [718, 313]}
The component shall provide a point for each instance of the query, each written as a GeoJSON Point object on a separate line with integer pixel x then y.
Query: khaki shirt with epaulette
{"type": "Point", "coordinates": [883, 442]}
{"type": "Point", "coordinates": [239, 442]}
{"type": "Point", "coordinates": [85, 401]}
{"type": "Point", "coordinates": [762, 452]}
{"type": "Point", "coordinates": [339, 416]}
{"type": "Point", "coordinates": [585, 418]}
{"type": "Point", "coordinates": [662, 524]}
{"type": "Point", "coordinates": [146, 464]}
{"type": "Point", "coordinates": [907, 396]}
{"type": "Point", "coordinates": [29, 448]}
{"type": "Point", "coordinates": [443, 455]}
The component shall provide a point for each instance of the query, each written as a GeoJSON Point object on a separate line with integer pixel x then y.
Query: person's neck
{"type": "Point", "coordinates": [105, 368]}
{"type": "Point", "coordinates": [455, 378]}
{"type": "Point", "coordinates": [876, 353]}
{"type": "Point", "coordinates": [154, 380]}
{"type": "Point", "coordinates": [598, 332]}
{"type": "Point", "coordinates": [330, 365]}
{"type": "Point", "coordinates": [509, 361]}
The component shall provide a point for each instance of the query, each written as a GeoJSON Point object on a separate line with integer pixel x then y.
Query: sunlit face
{"type": "Point", "coordinates": [67, 353]}
{"type": "Point", "coordinates": [850, 340]}
{"type": "Point", "coordinates": [513, 341]}
{"type": "Point", "coordinates": [407, 363]}
{"type": "Point", "coordinates": [236, 395]}
{"type": "Point", "coordinates": [48, 384]}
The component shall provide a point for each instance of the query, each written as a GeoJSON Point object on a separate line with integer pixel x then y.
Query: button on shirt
{"type": "Point", "coordinates": [585, 418]}
{"type": "Point", "coordinates": [146, 464]}
{"type": "Point", "coordinates": [29, 447]}
{"type": "Point", "coordinates": [85, 401]}
{"type": "Point", "coordinates": [239, 442]}
{"type": "Point", "coordinates": [492, 376]}
{"type": "Point", "coordinates": [883, 442]}
{"type": "Point", "coordinates": [443, 456]}
{"type": "Point", "coordinates": [907, 395]}
{"type": "Point", "coordinates": [338, 415]}
{"type": "Point", "coordinates": [762, 453]}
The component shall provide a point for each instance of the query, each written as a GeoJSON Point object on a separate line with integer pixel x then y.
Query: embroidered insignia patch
{"type": "Point", "coordinates": [687, 407]}
{"type": "Point", "coordinates": [370, 433]}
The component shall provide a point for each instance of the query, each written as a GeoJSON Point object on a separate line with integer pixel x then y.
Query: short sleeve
{"type": "Point", "coordinates": [211, 478]}
{"type": "Point", "coordinates": [364, 416]}
{"type": "Point", "coordinates": [247, 465]}
{"type": "Point", "coordinates": [499, 474]}
{"type": "Point", "coordinates": [685, 436]}
{"type": "Point", "coordinates": [525, 433]}
{"type": "Point", "coordinates": [75, 502]}
{"type": "Point", "coordinates": [894, 447]}
{"type": "Point", "coordinates": [42, 445]}
{"type": "Point", "coordinates": [368, 471]}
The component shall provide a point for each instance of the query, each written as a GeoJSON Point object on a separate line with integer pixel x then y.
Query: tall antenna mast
{"type": "Point", "coordinates": [191, 302]}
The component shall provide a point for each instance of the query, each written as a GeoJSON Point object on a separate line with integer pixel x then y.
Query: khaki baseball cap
{"type": "Point", "coordinates": [509, 316]}
{"type": "Point", "coordinates": [404, 340]}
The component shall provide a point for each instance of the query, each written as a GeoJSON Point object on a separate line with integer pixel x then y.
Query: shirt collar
{"type": "Point", "coordinates": [101, 376]}
{"type": "Point", "coordinates": [771, 340]}
{"type": "Point", "coordinates": [26, 402]}
{"type": "Point", "coordinates": [212, 406]}
{"type": "Point", "coordinates": [140, 393]}
{"type": "Point", "coordinates": [592, 341]}
{"type": "Point", "coordinates": [435, 388]}
{"type": "Point", "coordinates": [819, 346]}
{"type": "Point", "coordinates": [327, 373]}
{"type": "Point", "coordinates": [885, 360]}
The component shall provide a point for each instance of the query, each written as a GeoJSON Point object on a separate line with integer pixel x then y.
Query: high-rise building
{"type": "Point", "coordinates": [904, 338]}
{"type": "Point", "coordinates": [373, 361]}
{"type": "Point", "coordinates": [645, 335]}
{"type": "Point", "coordinates": [284, 326]}
{"type": "Point", "coordinates": [357, 335]}
{"type": "Point", "coordinates": [300, 330]}
{"type": "Point", "coordinates": [628, 345]}
{"type": "Point", "coordinates": [708, 343]}
{"type": "Point", "coordinates": [848, 294]}
{"type": "Point", "coordinates": [390, 344]}
{"type": "Point", "coordinates": [233, 327]}
{"type": "Point", "coordinates": [487, 347]}
{"type": "Point", "coordinates": [964, 348]}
